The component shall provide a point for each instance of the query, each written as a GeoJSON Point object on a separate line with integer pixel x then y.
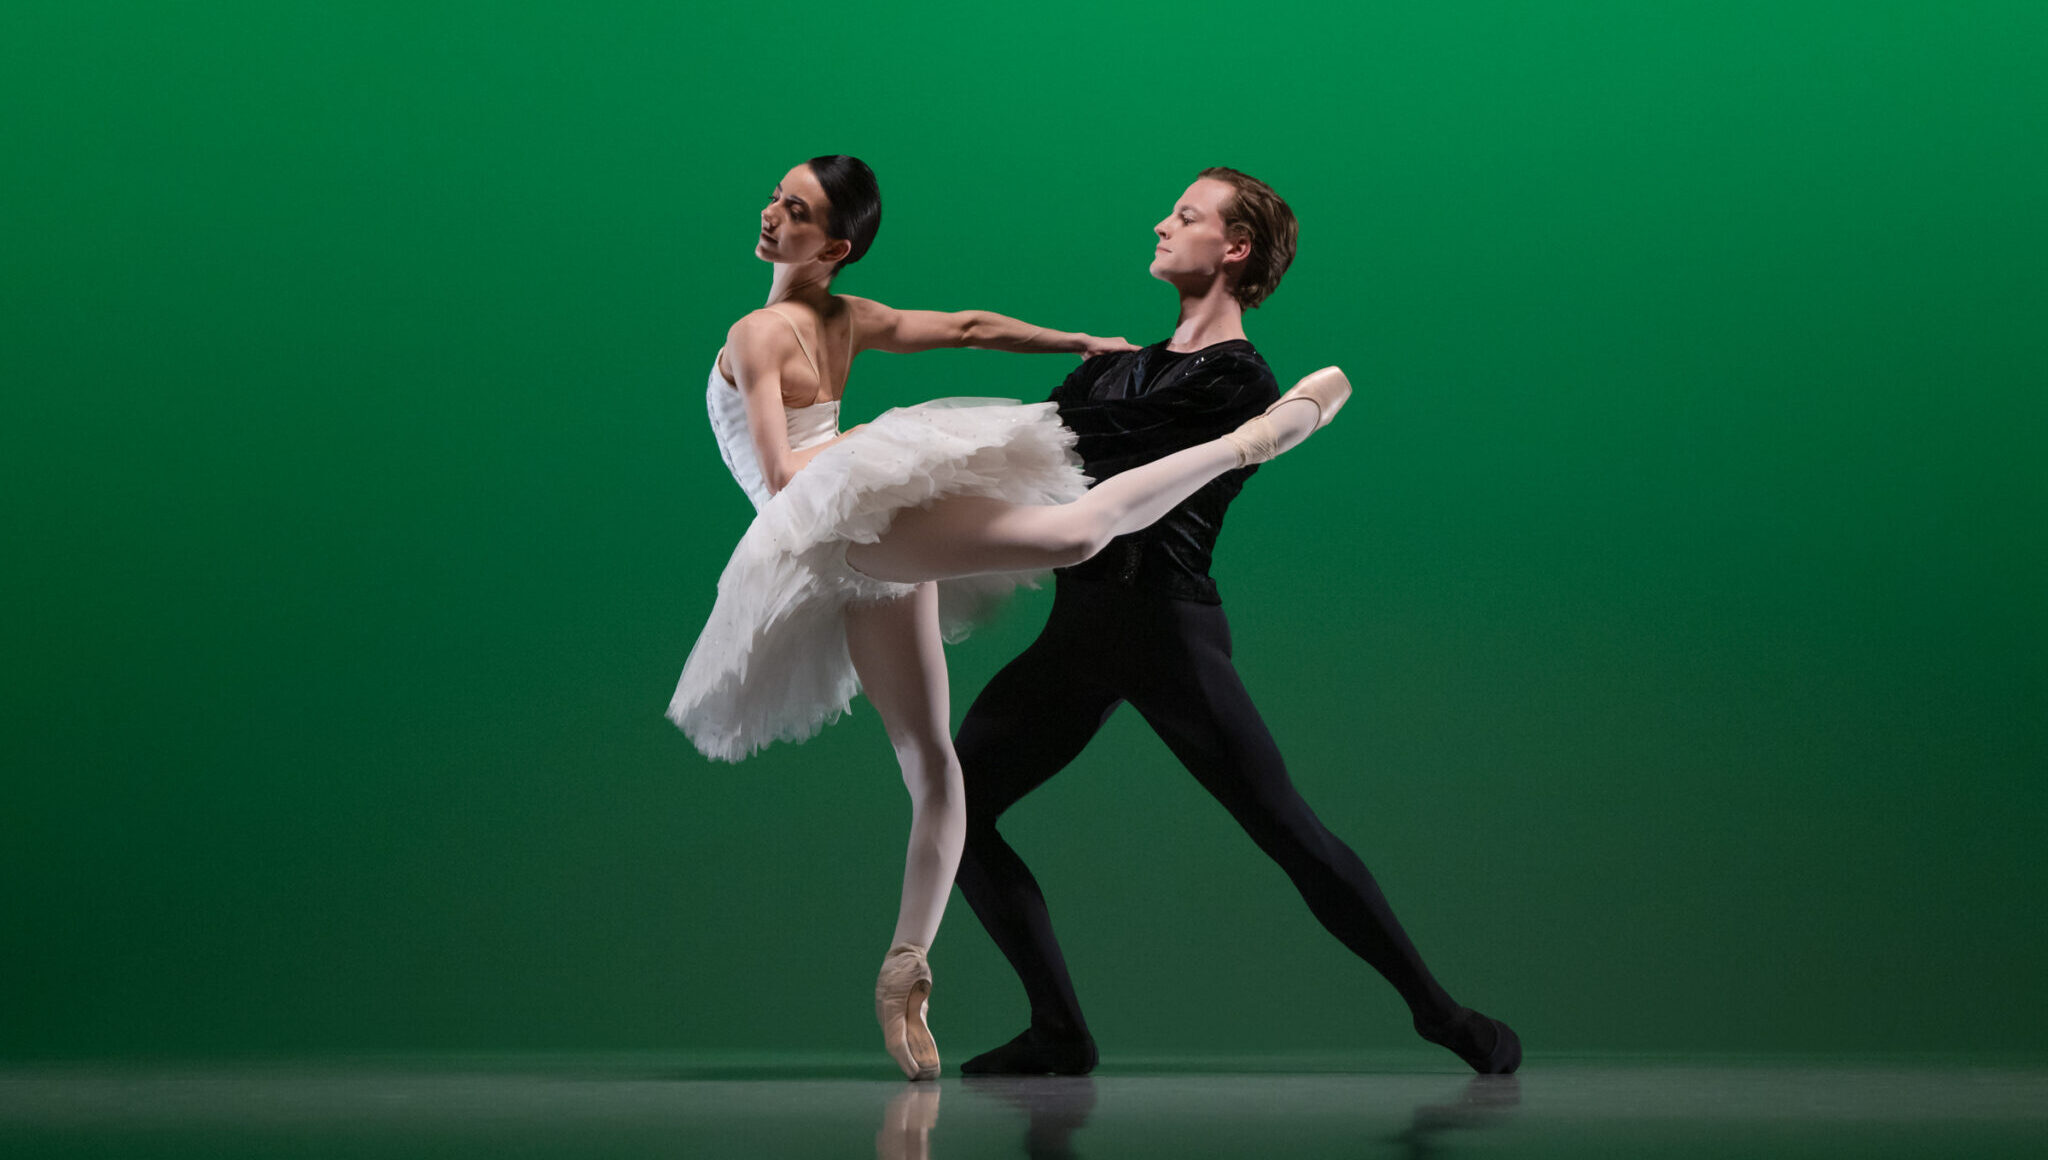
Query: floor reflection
{"type": "Point", "coordinates": [451, 1109]}
{"type": "Point", "coordinates": [1485, 1102]}
{"type": "Point", "coordinates": [1054, 1107]}
{"type": "Point", "coordinates": [907, 1122]}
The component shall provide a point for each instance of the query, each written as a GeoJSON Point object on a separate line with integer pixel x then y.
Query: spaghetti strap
{"type": "Point", "coordinates": [800, 344]}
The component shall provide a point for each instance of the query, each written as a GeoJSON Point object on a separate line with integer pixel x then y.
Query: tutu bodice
{"type": "Point", "coordinates": [808, 427]}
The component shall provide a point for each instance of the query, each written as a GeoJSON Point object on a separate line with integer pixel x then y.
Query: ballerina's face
{"type": "Point", "coordinates": [793, 222]}
{"type": "Point", "coordinates": [1193, 240]}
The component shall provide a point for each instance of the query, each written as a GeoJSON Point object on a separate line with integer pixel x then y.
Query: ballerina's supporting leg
{"type": "Point", "coordinates": [970, 535]}
{"type": "Point", "coordinates": [901, 661]}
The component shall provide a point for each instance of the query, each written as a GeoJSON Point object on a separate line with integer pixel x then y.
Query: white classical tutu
{"type": "Point", "coordinates": [771, 664]}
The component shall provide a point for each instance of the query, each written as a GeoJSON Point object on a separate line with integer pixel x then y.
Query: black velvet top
{"type": "Point", "coordinates": [1132, 408]}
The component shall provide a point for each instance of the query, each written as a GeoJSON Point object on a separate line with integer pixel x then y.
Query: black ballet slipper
{"type": "Point", "coordinates": [1035, 1053]}
{"type": "Point", "coordinates": [1488, 1046]}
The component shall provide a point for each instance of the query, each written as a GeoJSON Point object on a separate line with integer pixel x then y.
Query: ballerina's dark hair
{"type": "Point", "coordinates": [856, 202]}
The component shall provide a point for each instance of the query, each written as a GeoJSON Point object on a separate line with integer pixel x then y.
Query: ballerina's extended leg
{"type": "Point", "coordinates": [970, 535]}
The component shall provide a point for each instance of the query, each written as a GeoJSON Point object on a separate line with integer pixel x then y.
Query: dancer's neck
{"type": "Point", "coordinates": [1206, 319]}
{"type": "Point", "coordinates": [808, 283]}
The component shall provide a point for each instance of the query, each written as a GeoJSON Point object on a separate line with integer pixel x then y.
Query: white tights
{"type": "Point", "coordinates": [901, 661]}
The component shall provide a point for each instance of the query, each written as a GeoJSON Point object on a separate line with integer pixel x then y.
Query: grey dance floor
{"type": "Point", "coordinates": [448, 1107]}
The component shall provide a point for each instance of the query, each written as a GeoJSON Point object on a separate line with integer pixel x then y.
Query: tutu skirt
{"type": "Point", "coordinates": [771, 663]}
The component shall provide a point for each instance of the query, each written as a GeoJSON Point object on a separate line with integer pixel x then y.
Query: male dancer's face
{"type": "Point", "coordinates": [1193, 244]}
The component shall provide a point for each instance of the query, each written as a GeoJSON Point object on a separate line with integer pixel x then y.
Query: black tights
{"type": "Point", "coordinates": [1104, 645]}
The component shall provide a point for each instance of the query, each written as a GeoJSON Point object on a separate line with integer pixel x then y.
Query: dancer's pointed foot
{"type": "Point", "coordinates": [1280, 426]}
{"type": "Point", "coordinates": [1488, 1046]}
{"type": "Point", "coordinates": [1036, 1053]}
{"type": "Point", "coordinates": [902, 999]}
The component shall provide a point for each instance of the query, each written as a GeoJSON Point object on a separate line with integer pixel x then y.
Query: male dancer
{"type": "Point", "coordinates": [1141, 622]}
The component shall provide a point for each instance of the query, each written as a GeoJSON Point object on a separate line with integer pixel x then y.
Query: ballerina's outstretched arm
{"type": "Point", "coordinates": [771, 369]}
{"type": "Point", "coordinates": [886, 328]}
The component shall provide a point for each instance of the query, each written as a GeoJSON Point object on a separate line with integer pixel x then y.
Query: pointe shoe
{"type": "Point", "coordinates": [902, 998]}
{"type": "Point", "coordinates": [1257, 440]}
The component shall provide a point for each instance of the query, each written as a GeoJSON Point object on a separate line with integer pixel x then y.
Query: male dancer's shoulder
{"type": "Point", "coordinates": [1242, 361]}
{"type": "Point", "coordinates": [1232, 376]}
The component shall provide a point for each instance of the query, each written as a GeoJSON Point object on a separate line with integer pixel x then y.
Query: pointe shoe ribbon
{"type": "Point", "coordinates": [1260, 439]}
{"type": "Point", "coordinates": [902, 1000]}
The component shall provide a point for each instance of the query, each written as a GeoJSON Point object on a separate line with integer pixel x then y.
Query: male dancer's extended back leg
{"type": "Point", "coordinates": [1201, 709]}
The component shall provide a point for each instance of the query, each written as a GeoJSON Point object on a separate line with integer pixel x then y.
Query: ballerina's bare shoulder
{"type": "Point", "coordinates": [806, 356]}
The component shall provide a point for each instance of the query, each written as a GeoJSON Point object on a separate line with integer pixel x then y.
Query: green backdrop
{"type": "Point", "coordinates": [1663, 622]}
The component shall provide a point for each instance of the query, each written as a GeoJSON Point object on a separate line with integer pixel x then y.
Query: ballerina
{"type": "Point", "coordinates": [871, 547]}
